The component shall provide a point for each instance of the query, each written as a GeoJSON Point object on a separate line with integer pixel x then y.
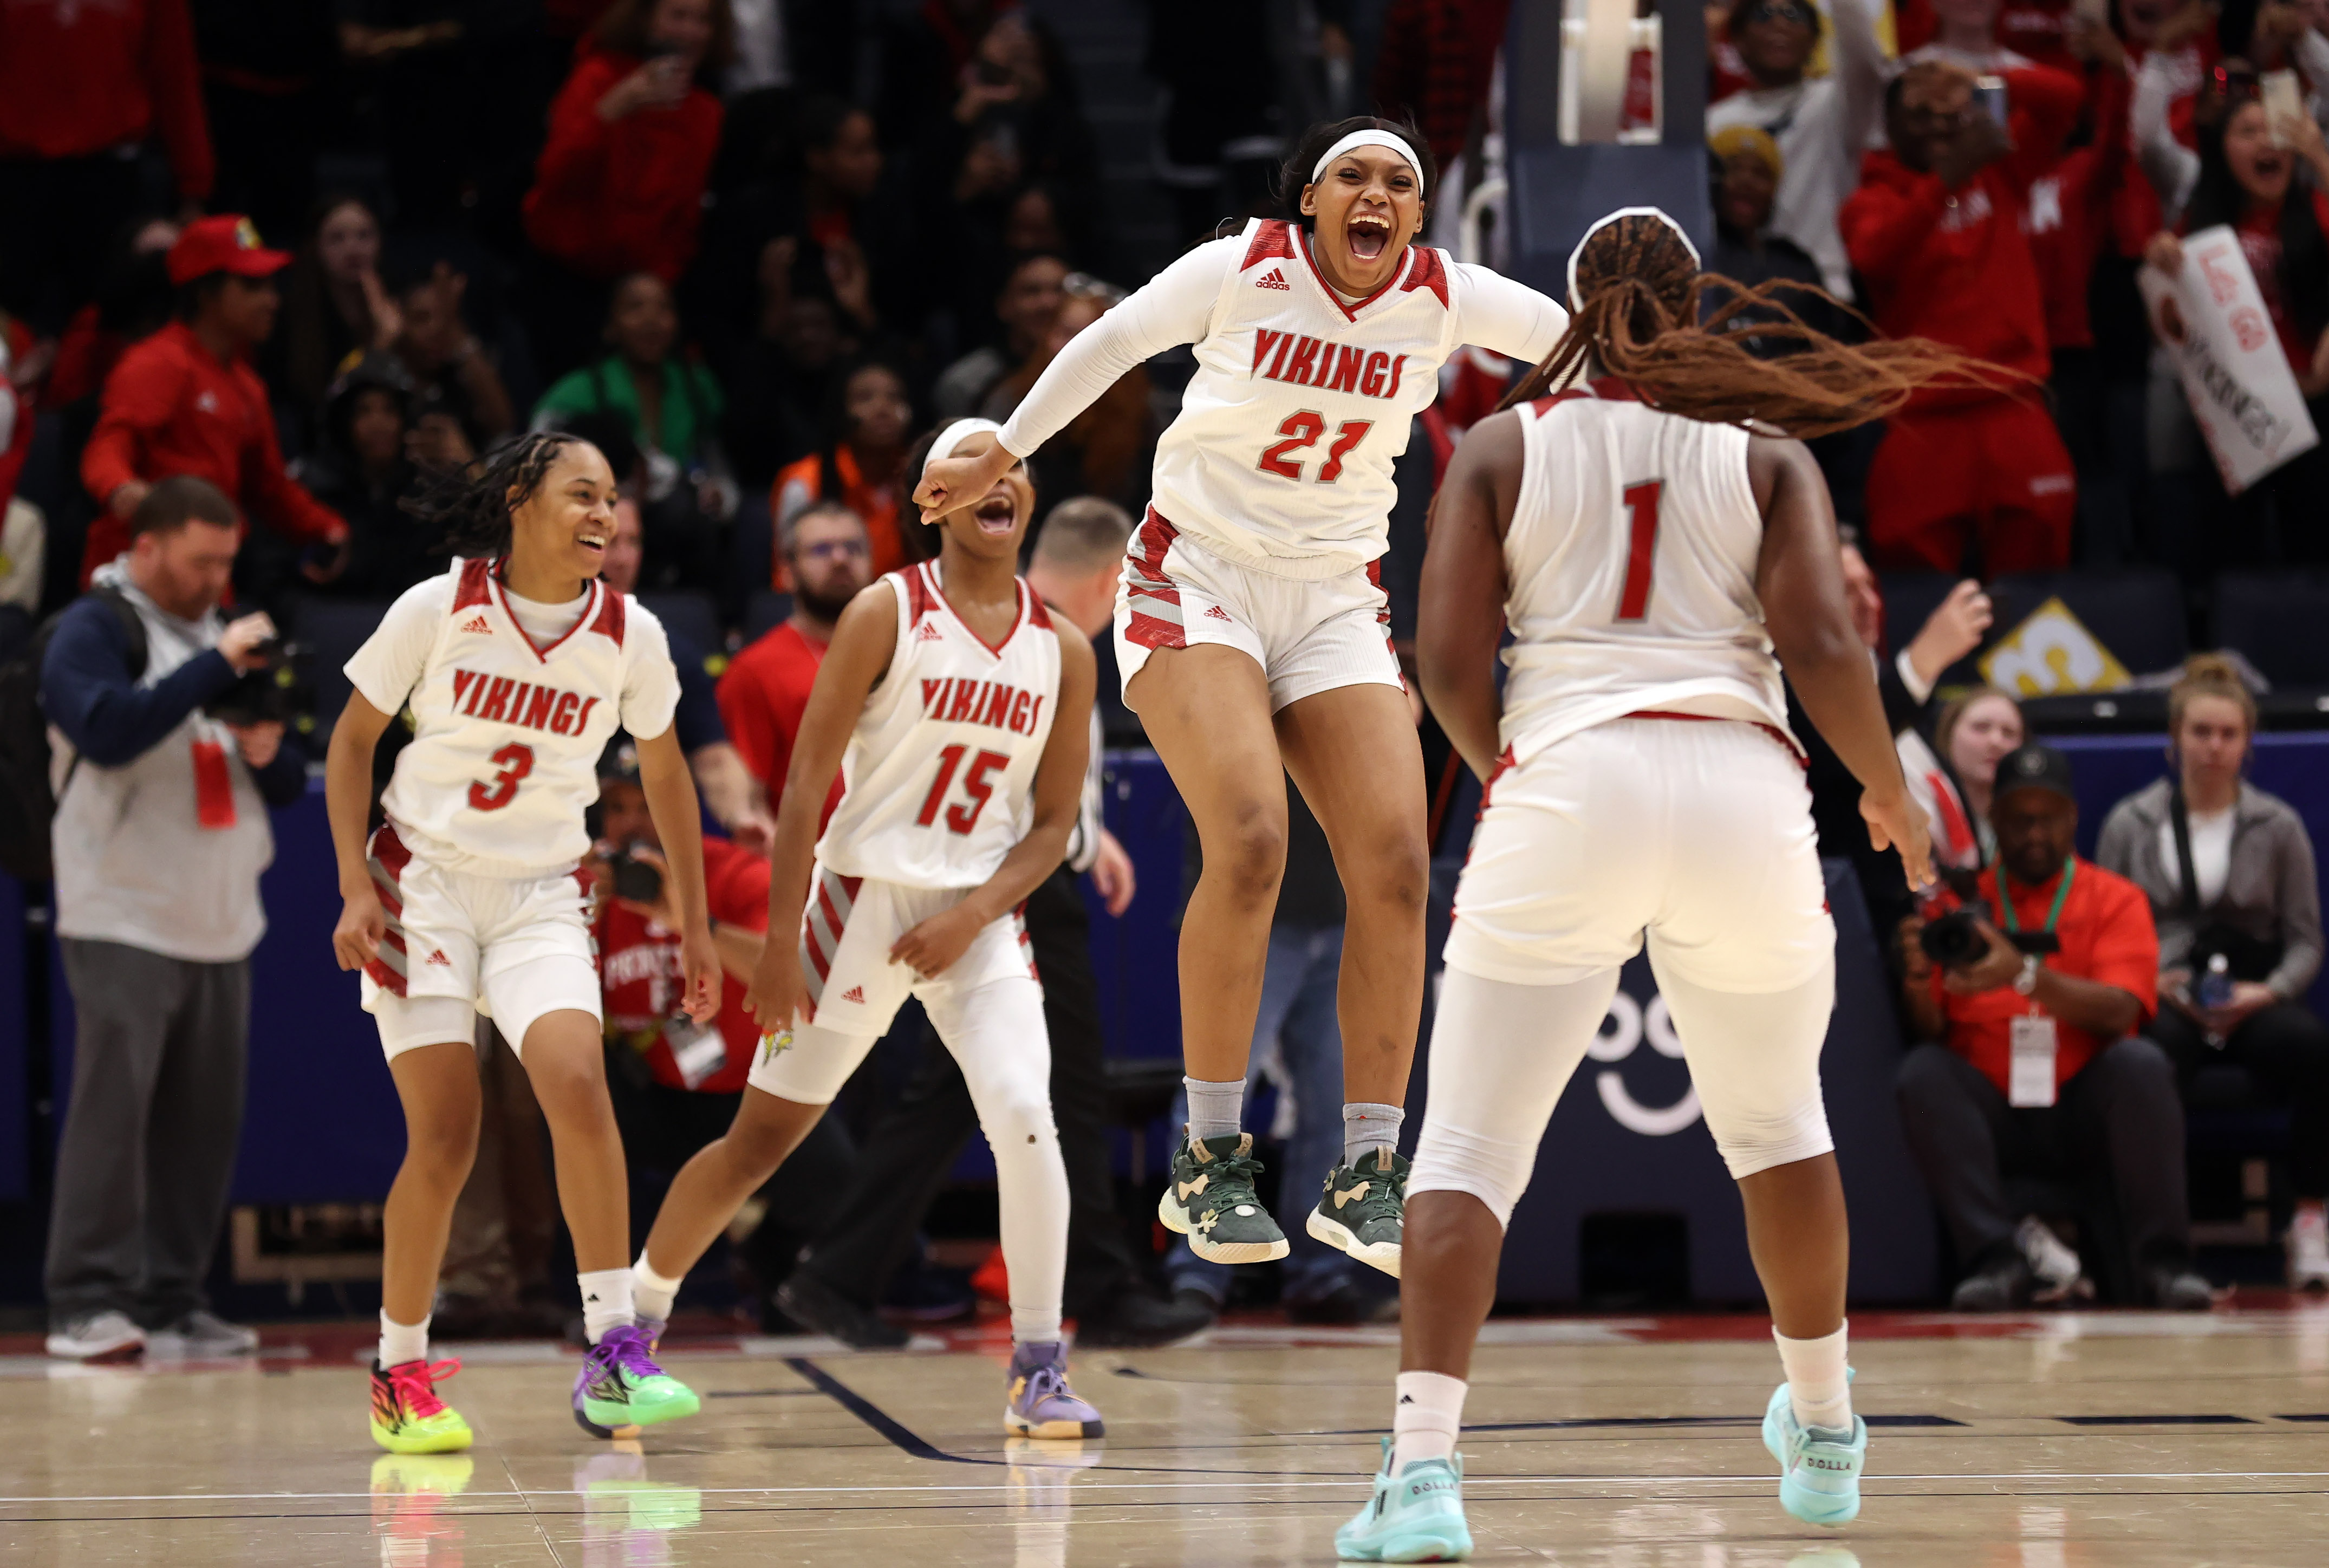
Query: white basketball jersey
{"type": "Point", "coordinates": [938, 782]}
{"type": "Point", "coordinates": [1631, 558]}
{"type": "Point", "coordinates": [503, 760]}
{"type": "Point", "coordinates": [1281, 456]}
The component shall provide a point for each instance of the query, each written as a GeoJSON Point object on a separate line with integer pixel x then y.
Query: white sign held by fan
{"type": "Point", "coordinates": [2243, 394]}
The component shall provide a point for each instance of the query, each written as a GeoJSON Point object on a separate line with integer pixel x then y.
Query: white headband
{"type": "Point", "coordinates": [953, 435]}
{"type": "Point", "coordinates": [1659, 214]}
{"type": "Point", "coordinates": [1368, 138]}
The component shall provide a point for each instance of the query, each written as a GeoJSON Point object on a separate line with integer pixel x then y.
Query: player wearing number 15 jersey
{"type": "Point", "coordinates": [956, 710]}
{"type": "Point", "coordinates": [517, 665]}
{"type": "Point", "coordinates": [1252, 629]}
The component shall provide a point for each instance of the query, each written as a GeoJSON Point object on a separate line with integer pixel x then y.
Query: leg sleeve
{"type": "Point", "coordinates": [996, 1032]}
{"type": "Point", "coordinates": [1754, 1060]}
{"type": "Point", "coordinates": [1501, 1055]}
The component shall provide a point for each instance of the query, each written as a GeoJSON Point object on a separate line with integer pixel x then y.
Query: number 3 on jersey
{"type": "Point", "coordinates": [1640, 550]}
{"type": "Point", "coordinates": [515, 762]}
{"type": "Point", "coordinates": [1302, 429]}
{"type": "Point", "coordinates": [960, 817]}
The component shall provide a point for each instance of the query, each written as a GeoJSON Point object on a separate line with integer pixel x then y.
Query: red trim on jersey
{"type": "Point", "coordinates": [993, 647]}
{"type": "Point", "coordinates": [1773, 731]}
{"type": "Point", "coordinates": [1039, 614]}
{"type": "Point", "coordinates": [1150, 547]}
{"type": "Point", "coordinates": [917, 596]}
{"type": "Point", "coordinates": [542, 654]}
{"type": "Point", "coordinates": [610, 617]}
{"type": "Point", "coordinates": [1605, 389]}
{"type": "Point", "coordinates": [1272, 239]}
{"type": "Point", "coordinates": [1374, 581]}
{"type": "Point", "coordinates": [1406, 263]}
{"type": "Point", "coordinates": [388, 857]}
{"type": "Point", "coordinates": [472, 592]}
{"type": "Point", "coordinates": [1428, 272]}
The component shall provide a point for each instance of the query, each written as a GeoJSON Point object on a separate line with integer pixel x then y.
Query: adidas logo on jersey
{"type": "Point", "coordinates": [478, 623]}
{"type": "Point", "coordinates": [855, 994]}
{"type": "Point", "coordinates": [930, 632]}
{"type": "Point", "coordinates": [436, 956]}
{"type": "Point", "coordinates": [1217, 613]}
{"type": "Point", "coordinates": [1273, 278]}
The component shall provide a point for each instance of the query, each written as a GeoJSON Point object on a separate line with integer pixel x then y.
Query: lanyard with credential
{"type": "Point", "coordinates": [2061, 894]}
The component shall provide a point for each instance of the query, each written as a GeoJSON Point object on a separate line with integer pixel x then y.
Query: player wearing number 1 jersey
{"type": "Point", "coordinates": [1251, 627]}
{"type": "Point", "coordinates": [516, 663]}
{"type": "Point", "coordinates": [956, 710]}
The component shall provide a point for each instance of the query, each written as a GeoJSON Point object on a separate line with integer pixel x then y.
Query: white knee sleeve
{"type": "Point", "coordinates": [1754, 1060]}
{"type": "Point", "coordinates": [1501, 1055]}
{"type": "Point", "coordinates": [407, 1022]}
{"type": "Point", "coordinates": [996, 1033]}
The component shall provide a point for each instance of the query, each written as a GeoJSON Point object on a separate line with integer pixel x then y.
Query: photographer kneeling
{"type": "Point", "coordinates": [161, 833]}
{"type": "Point", "coordinates": [2032, 999]}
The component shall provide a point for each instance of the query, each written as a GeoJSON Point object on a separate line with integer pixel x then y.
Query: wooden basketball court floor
{"type": "Point", "coordinates": [2069, 1441]}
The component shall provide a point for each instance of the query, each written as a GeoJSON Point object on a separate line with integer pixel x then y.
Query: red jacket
{"type": "Point", "coordinates": [2068, 218]}
{"type": "Point", "coordinates": [642, 986]}
{"type": "Point", "coordinates": [762, 698]}
{"type": "Point", "coordinates": [78, 77]}
{"type": "Point", "coordinates": [625, 197]}
{"type": "Point", "coordinates": [1435, 62]}
{"type": "Point", "coordinates": [1955, 266]}
{"type": "Point", "coordinates": [172, 407]}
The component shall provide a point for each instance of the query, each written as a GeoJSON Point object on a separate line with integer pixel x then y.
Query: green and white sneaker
{"type": "Point", "coordinates": [1363, 1209]}
{"type": "Point", "coordinates": [1414, 1516]}
{"type": "Point", "coordinates": [1819, 1470]}
{"type": "Point", "coordinates": [1210, 1200]}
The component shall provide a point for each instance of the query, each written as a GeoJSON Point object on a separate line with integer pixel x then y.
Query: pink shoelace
{"type": "Point", "coordinates": [415, 1381]}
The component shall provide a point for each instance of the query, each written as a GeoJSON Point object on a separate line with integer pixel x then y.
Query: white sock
{"type": "Point", "coordinates": [1367, 1126]}
{"type": "Point", "coordinates": [1215, 1109]}
{"type": "Point", "coordinates": [1818, 1385]}
{"type": "Point", "coordinates": [651, 1293]}
{"type": "Point", "coordinates": [402, 1342]}
{"type": "Point", "coordinates": [605, 1301]}
{"type": "Point", "coordinates": [1035, 1325]}
{"type": "Point", "coordinates": [1424, 1423]}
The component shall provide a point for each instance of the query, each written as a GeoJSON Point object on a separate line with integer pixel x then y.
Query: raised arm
{"type": "Point", "coordinates": [1460, 606]}
{"type": "Point", "coordinates": [1860, 75]}
{"type": "Point", "coordinates": [1506, 316]}
{"type": "Point", "coordinates": [1174, 307]}
{"type": "Point", "coordinates": [2172, 168]}
{"type": "Point", "coordinates": [1800, 582]}
{"type": "Point", "coordinates": [862, 643]}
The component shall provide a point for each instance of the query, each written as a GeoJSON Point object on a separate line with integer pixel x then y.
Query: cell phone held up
{"type": "Point", "coordinates": [1989, 95]}
{"type": "Point", "coordinates": [2284, 100]}
{"type": "Point", "coordinates": [636, 881]}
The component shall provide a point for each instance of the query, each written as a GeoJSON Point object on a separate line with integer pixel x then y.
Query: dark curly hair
{"type": "Point", "coordinates": [1294, 173]}
{"type": "Point", "coordinates": [469, 508]}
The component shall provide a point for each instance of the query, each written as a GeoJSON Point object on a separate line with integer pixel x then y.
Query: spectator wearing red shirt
{"type": "Point", "coordinates": [619, 186]}
{"type": "Point", "coordinates": [2035, 1072]}
{"type": "Point", "coordinates": [825, 561]}
{"type": "Point", "coordinates": [1935, 231]}
{"type": "Point", "coordinates": [81, 87]}
{"type": "Point", "coordinates": [676, 1083]}
{"type": "Point", "coordinates": [186, 399]}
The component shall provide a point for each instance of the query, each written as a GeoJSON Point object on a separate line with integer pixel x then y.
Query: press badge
{"type": "Point", "coordinates": [697, 1050]}
{"type": "Point", "coordinates": [2032, 1080]}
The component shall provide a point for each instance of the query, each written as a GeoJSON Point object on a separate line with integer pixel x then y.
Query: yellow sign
{"type": "Point", "coordinates": [2052, 654]}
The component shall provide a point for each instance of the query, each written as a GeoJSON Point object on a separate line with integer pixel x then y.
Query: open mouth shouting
{"type": "Point", "coordinates": [1368, 235]}
{"type": "Point", "coordinates": [996, 516]}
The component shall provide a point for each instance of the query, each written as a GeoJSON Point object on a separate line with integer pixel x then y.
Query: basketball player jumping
{"type": "Point", "coordinates": [517, 665]}
{"type": "Point", "coordinates": [1250, 627]}
{"type": "Point", "coordinates": [1651, 548]}
{"type": "Point", "coordinates": [957, 713]}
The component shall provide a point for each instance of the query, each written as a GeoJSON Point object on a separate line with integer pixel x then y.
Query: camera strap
{"type": "Point", "coordinates": [2006, 917]}
{"type": "Point", "coordinates": [2179, 817]}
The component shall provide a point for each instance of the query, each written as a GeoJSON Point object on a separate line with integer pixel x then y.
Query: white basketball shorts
{"type": "Point", "coordinates": [848, 931]}
{"type": "Point", "coordinates": [1697, 832]}
{"type": "Point", "coordinates": [1307, 636]}
{"type": "Point", "coordinates": [513, 949]}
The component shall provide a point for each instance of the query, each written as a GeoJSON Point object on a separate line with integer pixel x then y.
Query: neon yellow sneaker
{"type": "Point", "coordinates": [407, 1416]}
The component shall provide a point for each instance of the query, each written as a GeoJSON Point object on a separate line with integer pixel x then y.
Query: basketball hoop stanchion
{"type": "Point", "coordinates": [1606, 108]}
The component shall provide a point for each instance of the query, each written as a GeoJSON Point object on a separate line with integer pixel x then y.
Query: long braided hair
{"type": "Point", "coordinates": [1637, 314]}
{"type": "Point", "coordinates": [468, 508]}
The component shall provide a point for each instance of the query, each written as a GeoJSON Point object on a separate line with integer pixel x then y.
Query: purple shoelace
{"type": "Point", "coordinates": [625, 1349]}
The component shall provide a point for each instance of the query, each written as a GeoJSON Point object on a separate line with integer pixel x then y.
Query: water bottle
{"type": "Point", "coordinates": [2216, 985]}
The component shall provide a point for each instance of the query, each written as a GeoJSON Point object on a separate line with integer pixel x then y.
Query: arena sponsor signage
{"type": "Point", "coordinates": [1627, 1026]}
{"type": "Point", "coordinates": [2236, 377]}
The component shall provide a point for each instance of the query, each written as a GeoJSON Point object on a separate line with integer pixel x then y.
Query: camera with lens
{"type": "Point", "coordinates": [268, 692]}
{"type": "Point", "coordinates": [1955, 942]}
{"type": "Point", "coordinates": [637, 879]}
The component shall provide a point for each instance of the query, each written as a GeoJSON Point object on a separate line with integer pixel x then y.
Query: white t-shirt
{"type": "Point", "coordinates": [509, 728]}
{"type": "Point", "coordinates": [1281, 457]}
{"type": "Point", "coordinates": [2211, 853]}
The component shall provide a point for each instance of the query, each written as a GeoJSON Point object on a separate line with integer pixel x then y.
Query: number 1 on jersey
{"type": "Point", "coordinates": [1642, 503]}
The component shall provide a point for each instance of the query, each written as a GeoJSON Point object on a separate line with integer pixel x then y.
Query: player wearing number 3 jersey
{"type": "Point", "coordinates": [1252, 629]}
{"type": "Point", "coordinates": [957, 711]}
{"type": "Point", "coordinates": [517, 664]}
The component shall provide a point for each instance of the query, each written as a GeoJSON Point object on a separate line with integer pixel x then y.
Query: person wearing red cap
{"type": "Point", "coordinates": [186, 399]}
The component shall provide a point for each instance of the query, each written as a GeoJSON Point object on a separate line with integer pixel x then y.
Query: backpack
{"type": "Point", "coordinates": [27, 805]}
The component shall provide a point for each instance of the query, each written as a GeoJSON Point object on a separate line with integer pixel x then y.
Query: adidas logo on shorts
{"type": "Point", "coordinates": [929, 633]}
{"type": "Point", "coordinates": [436, 956]}
{"type": "Point", "coordinates": [1273, 278]}
{"type": "Point", "coordinates": [855, 994]}
{"type": "Point", "coordinates": [478, 623]}
{"type": "Point", "coordinates": [1217, 613]}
